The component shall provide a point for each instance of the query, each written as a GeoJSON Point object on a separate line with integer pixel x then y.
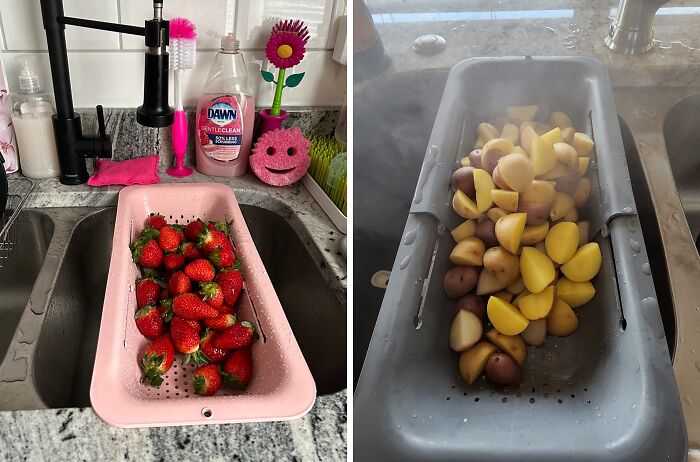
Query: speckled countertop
{"type": "Point", "coordinates": [78, 434]}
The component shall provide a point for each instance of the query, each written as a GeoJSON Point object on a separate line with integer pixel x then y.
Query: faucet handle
{"type": "Point", "coordinates": [101, 121]}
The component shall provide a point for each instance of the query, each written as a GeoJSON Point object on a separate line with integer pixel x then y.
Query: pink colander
{"type": "Point", "coordinates": [281, 388]}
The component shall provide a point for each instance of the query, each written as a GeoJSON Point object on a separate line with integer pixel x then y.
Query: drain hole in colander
{"type": "Point", "coordinates": [476, 400]}
{"type": "Point", "coordinates": [504, 400]}
{"type": "Point", "coordinates": [573, 396]}
{"type": "Point", "coordinates": [532, 400]}
{"type": "Point", "coordinates": [448, 398]}
{"type": "Point", "coordinates": [623, 324]}
{"type": "Point", "coordinates": [559, 401]}
{"type": "Point", "coordinates": [206, 412]}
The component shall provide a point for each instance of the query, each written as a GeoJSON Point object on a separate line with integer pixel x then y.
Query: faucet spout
{"type": "Point", "coordinates": [632, 30]}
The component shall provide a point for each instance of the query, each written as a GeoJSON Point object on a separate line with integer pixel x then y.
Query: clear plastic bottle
{"type": "Point", "coordinates": [32, 111]}
{"type": "Point", "coordinates": [225, 115]}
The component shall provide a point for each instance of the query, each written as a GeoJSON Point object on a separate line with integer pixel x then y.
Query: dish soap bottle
{"type": "Point", "coordinates": [32, 111]}
{"type": "Point", "coordinates": [225, 115]}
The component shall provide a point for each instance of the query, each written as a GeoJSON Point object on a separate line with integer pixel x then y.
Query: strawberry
{"type": "Point", "coordinates": [200, 270]}
{"type": "Point", "coordinates": [186, 341]}
{"type": "Point", "coordinates": [223, 226]}
{"type": "Point", "coordinates": [157, 360]}
{"type": "Point", "coordinates": [173, 261]}
{"type": "Point", "coordinates": [148, 234]}
{"type": "Point", "coordinates": [193, 230]}
{"type": "Point", "coordinates": [149, 322]}
{"type": "Point", "coordinates": [189, 306]}
{"type": "Point", "coordinates": [194, 324]}
{"type": "Point", "coordinates": [210, 239]}
{"type": "Point", "coordinates": [213, 354]}
{"type": "Point", "coordinates": [238, 335]}
{"type": "Point", "coordinates": [190, 251]}
{"type": "Point", "coordinates": [231, 283]}
{"type": "Point", "coordinates": [206, 380]}
{"type": "Point", "coordinates": [156, 221]}
{"type": "Point", "coordinates": [222, 258]}
{"type": "Point", "coordinates": [147, 253]}
{"type": "Point", "coordinates": [148, 291]}
{"type": "Point", "coordinates": [169, 239]}
{"type": "Point", "coordinates": [238, 368]}
{"type": "Point", "coordinates": [179, 284]}
{"type": "Point", "coordinates": [165, 308]}
{"type": "Point", "coordinates": [221, 322]}
{"type": "Point", "coordinates": [164, 295]}
{"type": "Point", "coordinates": [212, 294]}
{"type": "Point", "coordinates": [227, 309]}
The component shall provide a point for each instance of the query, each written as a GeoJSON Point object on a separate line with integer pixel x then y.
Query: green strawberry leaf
{"type": "Point", "coordinates": [294, 80]}
{"type": "Point", "coordinates": [267, 76]}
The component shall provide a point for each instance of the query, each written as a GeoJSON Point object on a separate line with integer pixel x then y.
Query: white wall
{"type": "Point", "coordinates": [107, 68]}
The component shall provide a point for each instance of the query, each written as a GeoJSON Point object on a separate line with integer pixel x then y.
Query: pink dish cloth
{"type": "Point", "coordinates": [143, 170]}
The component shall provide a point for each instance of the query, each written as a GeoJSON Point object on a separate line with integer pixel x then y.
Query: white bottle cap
{"type": "Point", "coordinates": [28, 73]}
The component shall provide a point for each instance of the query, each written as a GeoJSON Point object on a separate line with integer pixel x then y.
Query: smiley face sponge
{"type": "Point", "coordinates": [280, 157]}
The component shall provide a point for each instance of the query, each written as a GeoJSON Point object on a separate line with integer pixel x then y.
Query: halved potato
{"type": "Point", "coordinates": [509, 230]}
{"type": "Point", "coordinates": [507, 200]}
{"type": "Point", "coordinates": [583, 190]}
{"type": "Point", "coordinates": [473, 361]}
{"type": "Point", "coordinates": [488, 283]}
{"type": "Point", "coordinates": [583, 266]}
{"type": "Point", "coordinates": [465, 162]}
{"type": "Point", "coordinates": [463, 231]}
{"type": "Point", "coordinates": [536, 269]}
{"type": "Point", "coordinates": [495, 213]}
{"type": "Point", "coordinates": [522, 112]}
{"type": "Point", "coordinates": [542, 155]}
{"type": "Point", "coordinates": [468, 252]}
{"type": "Point", "coordinates": [478, 144]}
{"type": "Point", "coordinates": [562, 242]}
{"type": "Point", "coordinates": [566, 155]}
{"type": "Point", "coordinates": [583, 163]}
{"type": "Point", "coordinates": [483, 185]}
{"type": "Point", "coordinates": [553, 136]}
{"type": "Point", "coordinates": [562, 204]}
{"type": "Point", "coordinates": [464, 206]}
{"type": "Point", "coordinates": [487, 132]}
{"type": "Point", "coordinates": [516, 172]}
{"type": "Point", "coordinates": [537, 306]}
{"type": "Point", "coordinates": [568, 134]}
{"type": "Point", "coordinates": [505, 317]}
{"type": "Point", "coordinates": [517, 287]}
{"type": "Point", "coordinates": [573, 293]}
{"type": "Point", "coordinates": [513, 345]}
{"type": "Point", "coordinates": [465, 331]}
{"type": "Point", "coordinates": [560, 119]}
{"type": "Point", "coordinates": [562, 320]}
{"type": "Point", "coordinates": [503, 264]}
{"type": "Point", "coordinates": [560, 170]}
{"type": "Point", "coordinates": [535, 333]}
{"type": "Point", "coordinates": [583, 144]}
{"type": "Point", "coordinates": [534, 234]}
{"type": "Point", "coordinates": [527, 134]}
{"type": "Point", "coordinates": [511, 132]}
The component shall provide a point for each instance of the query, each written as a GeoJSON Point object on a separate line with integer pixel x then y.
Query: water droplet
{"type": "Point", "coordinates": [627, 210]}
{"type": "Point", "coordinates": [465, 420]}
{"type": "Point", "coordinates": [646, 269]}
{"type": "Point", "coordinates": [414, 416]}
{"type": "Point", "coordinates": [634, 406]}
{"type": "Point", "coordinates": [676, 216]}
{"type": "Point", "coordinates": [635, 245]}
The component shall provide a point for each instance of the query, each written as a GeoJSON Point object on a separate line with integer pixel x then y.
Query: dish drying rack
{"type": "Point", "coordinates": [18, 190]}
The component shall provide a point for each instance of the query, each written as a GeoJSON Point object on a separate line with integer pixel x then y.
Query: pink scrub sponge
{"type": "Point", "coordinates": [280, 157]}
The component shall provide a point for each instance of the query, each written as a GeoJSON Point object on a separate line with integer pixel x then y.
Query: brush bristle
{"type": "Point", "coordinates": [182, 28]}
{"type": "Point", "coordinates": [182, 54]}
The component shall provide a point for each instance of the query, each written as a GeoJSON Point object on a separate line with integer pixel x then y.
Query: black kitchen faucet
{"type": "Point", "coordinates": [71, 145]}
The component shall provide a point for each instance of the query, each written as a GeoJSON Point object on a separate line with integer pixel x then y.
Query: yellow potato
{"type": "Point", "coordinates": [479, 143]}
{"type": "Point", "coordinates": [562, 242]}
{"type": "Point", "coordinates": [522, 112]}
{"type": "Point", "coordinates": [535, 333]}
{"type": "Point", "coordinates": [465, 162]}
{"type": "Point", "coordinates": [493, 151]}
{"type": "Point", "coordinates": [524, 293]}
{"type": "Point", "coordinates": [583, 266]}
{"type": "Point", "coordinates": [571, 215]}
{"type": "Point", "coordinates": [583, 190]}
{"type": "Point", "coordinates": [495, 213]}
{"type": "Point", "coordinates": [562, 320]}
{"type": "Point", "coordinates": [583, 163]}
{"type": "Point", "coordinates": [505, 317]}
{"type": "Point", "coordinates": [517, 287]}
{"type": "Point", "coordinates": [536, 269]}
{"type": "Point", "coordinates": [511, 133]}
{"type": "Point", "coordinates": [553, 136]}
{"type": "Point", "coordinates": [573, 293]}
{"type": "Point", "coordinates": [473, 361]}
{"type": "Point", "coordinates": [583, 231]}
{"type": "Point", "coordinates": [464, 206]}
{"type": "Point", "coordinates": [483, 185]}
{"type": "Point", "coordinates": [583, 144]}
{"type": "Point", "coordinates": [465, 331]}
{"type": "Point", "coordinates": [566, 155]}
{"type": "Point", "coordinates": [527, 134]}
{"type": "Point", "coordinates": [509, 230]}
{"type": "Point", "coordinates": [568, 134]}
{"type": "Point", "coordinates": [541, 127]}
{"type": "Point", "coordinates": [516, 171]}
{"type": "Point", "coordinates": [468, 252]}
{"type": "Point", "coordinates": [488, 283]}
{"type": "Point", "coordinates": [539, 191]}
{"type": "Point", "coordinates": [537, 306]}
{"type": "Point", "coordinates": [507, 200]}
{"type": "Point", "coordinates": [463, 231]}
{"type": "Point", "coordinates": [534, 234]}
{"type": "Point", "coordinates": [487, 131]}
{"type": "Point", "coordinates": [513, 345]}
{"type": "Point", "coordinates": [560, 170]}
{"type": "Point", "coordinates": [519, 150]}
{"type": "Point", "coordinates": [540, 246]}
{"type": "Point", "coordinates": [542, 155]}
{"type": "Point", "coordinates": [560, 119]}
{"type": "Point", "coordinates": [504, 265]}
{"type": "Point", "coordinates": [504, 295]}
{"type": "Point", "coordinates": [561, 206]}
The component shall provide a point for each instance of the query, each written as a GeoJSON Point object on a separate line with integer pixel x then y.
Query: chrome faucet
{"type": "Point", "coordinates": [632, 31]}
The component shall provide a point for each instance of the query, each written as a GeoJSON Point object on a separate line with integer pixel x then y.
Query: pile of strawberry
{"type": "Point", "coordinates": [186, 301]}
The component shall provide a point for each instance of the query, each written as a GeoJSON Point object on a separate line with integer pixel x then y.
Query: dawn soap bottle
{"type": "Point", "coordinates": [225, 115]}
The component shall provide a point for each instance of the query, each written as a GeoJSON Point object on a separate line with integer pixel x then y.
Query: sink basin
{"type": "Point", "coordinates": [682, 135]}
{"type": "Point", "coordinates": [55, 371]}
{"type": "Point", "coordinates": [21, 256]}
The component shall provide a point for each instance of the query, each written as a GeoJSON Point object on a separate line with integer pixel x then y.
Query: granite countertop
{"type": "Point", "coordinates": [78, 434]}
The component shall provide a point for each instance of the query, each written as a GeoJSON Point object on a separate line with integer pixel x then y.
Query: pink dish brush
{"type": "Point", "coordinates": [183, 49]}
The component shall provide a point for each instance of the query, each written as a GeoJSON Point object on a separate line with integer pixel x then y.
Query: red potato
{"type": "Point", "coordinates": [473, 303]}
{"type": "Point", "coordinates": [463, 179]}
{"type": "Point", "coordinates": [475, 158]}
{"type": "Point", "coordinates": [459, 281]}
{"type": "Point", "coordinates": [486, 231]}
{"type": "Point", "coordinates": [503, 371]}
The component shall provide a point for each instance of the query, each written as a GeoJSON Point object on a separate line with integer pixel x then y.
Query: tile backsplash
{"type": "Point", "coordinates": [107, 68]}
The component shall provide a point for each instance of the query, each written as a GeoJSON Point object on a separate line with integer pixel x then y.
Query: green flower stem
{"type": "Point", "coordinates": [277, 102]}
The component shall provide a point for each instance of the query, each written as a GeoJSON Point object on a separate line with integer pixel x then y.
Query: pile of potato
{"type": "Point", "coordinates": [522, 257]}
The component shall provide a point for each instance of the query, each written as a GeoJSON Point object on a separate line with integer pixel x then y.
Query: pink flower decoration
{"type": "Point", "coordinates": [287, 44]}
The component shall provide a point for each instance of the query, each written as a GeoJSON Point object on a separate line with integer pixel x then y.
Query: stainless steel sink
{"type": "Point", "coordinates": [21, 256]}
{"type": "Point", "coordinates": [682, 135]}
{"type": "Point", "coordinates": [52, 343]}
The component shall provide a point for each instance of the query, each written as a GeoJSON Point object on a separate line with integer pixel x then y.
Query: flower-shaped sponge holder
{"type": "Point", "coordinates": [281, 157]}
